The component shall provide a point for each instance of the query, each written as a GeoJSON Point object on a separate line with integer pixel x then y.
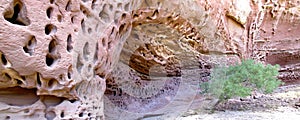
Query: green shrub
{"type": "Point", "coordinates": [241, 79]}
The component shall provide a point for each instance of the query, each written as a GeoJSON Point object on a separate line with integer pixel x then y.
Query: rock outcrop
{"type": "Point", "coordinates": [132, 59]}
{"type": "Point", "coordinates": [49, 53]}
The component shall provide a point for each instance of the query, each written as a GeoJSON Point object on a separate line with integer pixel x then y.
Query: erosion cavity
{"type": "Point", "coordinates": [17, 96]}
{"type": "Point", "coordinates": [148, 73]}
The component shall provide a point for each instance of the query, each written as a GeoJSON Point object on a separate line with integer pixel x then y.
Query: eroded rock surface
{"type": "Point", "coordinates": [132, 59]}
{"type": "Point", "coordinates": [48, 60]}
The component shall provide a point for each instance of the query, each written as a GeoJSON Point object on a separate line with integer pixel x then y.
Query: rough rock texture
{"type": "Point", "coordinates": [132, 59]}
{"type": "Point", "coordinates": [276, 38]}
{"type": "Point", "coordinates": [49, 54]}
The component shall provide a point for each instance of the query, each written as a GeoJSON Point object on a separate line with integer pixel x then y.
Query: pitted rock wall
{"type": "Point", "coordinates": [48, 53]}
{"type": "Point", "coordinates": [132, 59]}
{"type": "Point", "coordinates": [277, 39]}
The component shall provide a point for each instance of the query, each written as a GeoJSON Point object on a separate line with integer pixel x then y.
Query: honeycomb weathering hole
{"type": "Point", "coordinates": [52, 46]}
{"type": "Point", "coordinates": [103, 42]}
{"type": "Point", "coordinates": [86, 51]}
{"type": "Point", "coordinates": [38, 79]}
{"type": "Point", "coordinates": [72, 19]}
{"type": "Point", "coordinates": [50, 60]}
{"type": "Point", "coordinates": [51, 1]}
{"type": "Point", "coordinates": [93, 4]}
{"type": "Point", "coordinates": [96, 53]}
{"type": "Point", "coordinates": [51, 83]}
{"type": "Point", "coordinates": [49, 12]}
{"type": "Point", "coordinates": [7, 76]}
{"type": "Point", "coordinates": [52, 56]}
{"type": "Point", "coordinates": [89, 68]}
{"type": "Point", "coordinates": [62, 114]}
{"type": "Point", "coordinates": [79, 64]}
{"type": "Point", "coordinates": [30, 46]}
{"type": "Point", "coordinates": [103, 14]}
{"type": "Point", "coordinates": [3, 59]}
{"type": "Point", "coordinates": [69, 43]}
{"type": "Point", "coordinates": [68, 6]}
{"type": "Point", "coordinates": [17, 15]}
{"type": "Point", "coordinates": [83, 25]}
{"type": "Point", "coordinates": [19, 82]}
{"type": "Point", "coordinates": [50, 29]}
{"type": "Point", "coordinates": [59, 18]}
{"type": "Point", "coordinates": [89, 30]}
{"type": "Point", "coordinates": [121, 28]}
{"type": "Point", "coordinates": [70, 72]}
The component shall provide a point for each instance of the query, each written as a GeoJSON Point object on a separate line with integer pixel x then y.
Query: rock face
{"type": "Point", "coordinates": [49, 53]}
{"type": "Point", "coordinates": [277, 40]}
{"type": "Point", "coordinates": [132, 59]}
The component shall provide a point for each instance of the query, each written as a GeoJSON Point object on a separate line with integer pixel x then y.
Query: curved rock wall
{"type": "Point", "coordinates": [132, 59]}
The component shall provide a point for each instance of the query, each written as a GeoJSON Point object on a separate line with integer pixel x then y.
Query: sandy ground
{"type": "Point", "coordinates": [282, 104]}
{"type": "Point", "coordinates": [282, 113]}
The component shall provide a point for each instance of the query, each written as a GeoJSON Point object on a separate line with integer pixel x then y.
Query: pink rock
{"type": "Point", "coordinates": [59, 56]}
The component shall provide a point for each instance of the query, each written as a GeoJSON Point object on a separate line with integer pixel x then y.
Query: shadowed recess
{"type": "Point", "coordinates": [17, 96]}
{"type": "Point", "coordinates": [17, 15]}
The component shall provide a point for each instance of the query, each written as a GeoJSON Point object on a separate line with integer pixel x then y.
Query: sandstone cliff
{"type": "Point", "coordinates": [132, 59]}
